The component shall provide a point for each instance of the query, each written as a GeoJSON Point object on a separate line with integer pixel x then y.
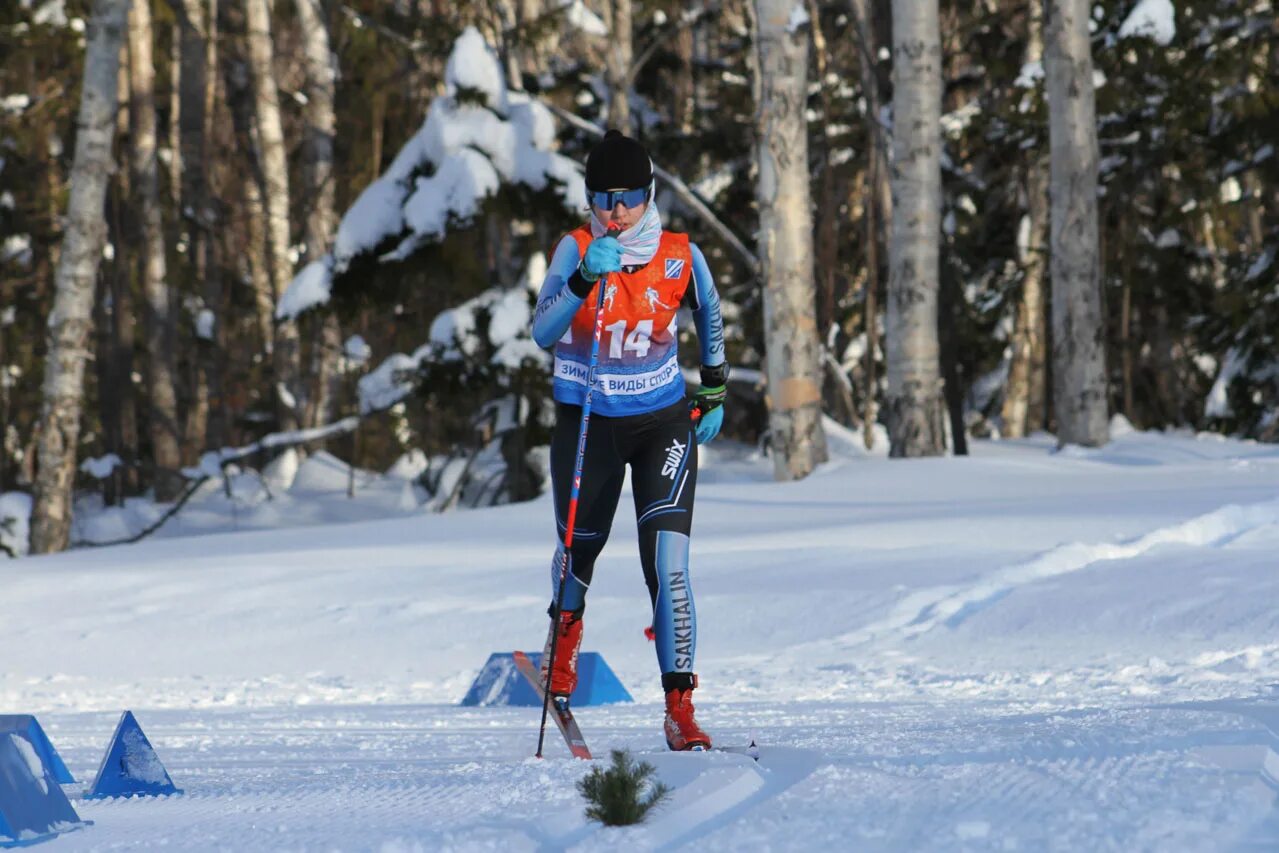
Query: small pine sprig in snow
{"type": "Point", "coordinates": [617, 796]}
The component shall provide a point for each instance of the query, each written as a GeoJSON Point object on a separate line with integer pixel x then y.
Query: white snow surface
{"type": "Point", "coordinates": [1153, 19]}
{"type": "Point", "coordinates": [100, 467]}
{"type": "Point", "coordinates": [1217, 403]}
{"type": "Point", "coordinates": [577, 15]}
{"type": "Point", "coordinates": [474, 65]}
{"type": "Point", "coordinates": [1022, 649]}
{"type": "Point", "coordinates": [15, 520]}
{"type": "Point", "coordinates": [16, 248]}
{"type": "Point", "coordinates": [309, 288]}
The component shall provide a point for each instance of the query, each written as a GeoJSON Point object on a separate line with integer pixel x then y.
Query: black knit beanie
{"type": "Point", "coordinates": [618, 162]}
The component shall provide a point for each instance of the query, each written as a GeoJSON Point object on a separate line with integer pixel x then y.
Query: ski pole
{"type": "Point", "coordinates": [572, 500]}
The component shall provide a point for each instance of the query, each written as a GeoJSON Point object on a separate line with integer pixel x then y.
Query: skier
{"type": "Point", "coordinates": [639, 414]}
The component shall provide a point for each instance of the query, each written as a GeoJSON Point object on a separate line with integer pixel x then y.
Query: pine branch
{"type": "Point", "coordinates": [622, 795]}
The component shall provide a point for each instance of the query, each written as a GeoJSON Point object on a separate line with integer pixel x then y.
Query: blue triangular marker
{"type": "Point", "coordinates": [500, 683]}
{"type": "Point", "coordinates": [130, 767]}
{"type": "Point", "coordinates": [32, 805]}
{"type": "Point", "coordinates": [28, 725]}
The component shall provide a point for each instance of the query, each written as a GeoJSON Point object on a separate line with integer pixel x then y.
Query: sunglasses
{"type": "Point", "coordinates": [608, 199]}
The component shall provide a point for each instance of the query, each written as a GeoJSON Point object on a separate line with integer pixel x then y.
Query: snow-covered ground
{"type": "Point", "coordinates": [1018, 650]}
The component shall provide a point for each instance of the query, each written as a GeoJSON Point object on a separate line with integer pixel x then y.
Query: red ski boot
{"type": "Point", "coordinates": [568, 639]}
{"type": "Point", "coordinates": [682, 731]}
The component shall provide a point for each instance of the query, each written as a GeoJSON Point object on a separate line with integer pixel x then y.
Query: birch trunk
{"type": "Point", "coordinates": [161, 392]}
{"type": "Point", "coordinates": [794, 349]}
{"type": "Point", "coordinates": [1026, 396]}
{"type": "Point", "coordinates": [275, 175]}
{"type": "Point", "coordinates": [71, 320]}
{"type": "Point", "coordinates": [915, 409]}
{"type": "Point", "coordinates": [1079, 359]}
{"type": "Point", "coordinates": [320, 221]}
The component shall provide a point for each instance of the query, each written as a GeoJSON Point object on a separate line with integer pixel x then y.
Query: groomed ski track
{"type": "Point", "coordinates": [919, 777]}
{"type": "Point", "coordinates": [1024, 650]}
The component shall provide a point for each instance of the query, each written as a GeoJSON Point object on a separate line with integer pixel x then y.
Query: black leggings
{"type": "Point", "coordinates": [662, 452]}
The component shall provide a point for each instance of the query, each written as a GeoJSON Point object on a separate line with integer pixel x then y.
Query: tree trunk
{"type": "Point", "coordinates": [1079, 358]}
{"type": "Point", "coordinates": [191, 125]}
{"type": "Point", "coordinates": [1025, 400]}
{"type": "Point", "coordinates": [914, 401]}
{"type": "Point", "coordinates": [239, 99]}
{"type": "Point", "coordinates": [175, 115]}
{"type": "Point", "coordinates": [793, 346]}
{"type": "Point", "coordinates": [1025, 396]}
{"type": "Point", "coordinates": [214, 360]}
{"type": "Point", "coordinates": [877, 192]}
{"type": "Point", "coordinates": [684, 112]}
{"type": "Point", "coordinates": [71, 322]}
{"type": "Point", "coordinates": [162, 418]}
{"type": "Point", "coordinates": [617, 65]}
{"type": "Point", "coordinates": [320, 221]}
{"type": "Point", "coordinates": [275, 174]}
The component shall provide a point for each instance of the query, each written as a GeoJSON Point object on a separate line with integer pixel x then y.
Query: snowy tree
{"type": "Point", "coordinates": [1079, 356]}
{"type": "Point", "coordinates": [914, 402]}
{"type": "Point", "coordinates": [71, 320]}
{"type": "Point", "coordinates": [475, 140]}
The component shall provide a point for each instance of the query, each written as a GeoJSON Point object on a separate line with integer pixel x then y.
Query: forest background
{"type": "Point", "coordinates": [320, 226]}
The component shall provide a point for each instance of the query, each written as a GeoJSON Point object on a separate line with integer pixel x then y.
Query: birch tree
{"type": "Point", "coordinates": [71, 323]}
{"type": "Point", "coordinates": [1025, 401]}
{"type": "Point", "coordinates": [319, 225]}
{"type": "Point", "coordinates": [1079, 358]}
{"type": "Point", "coordinates": [792, 342]}
{"type": "Point", "coordinates": [914, 401]}
{"type": "Point", "coordinates": [158, 324]}
{"type": "Point", "coordinates": [275, 174]}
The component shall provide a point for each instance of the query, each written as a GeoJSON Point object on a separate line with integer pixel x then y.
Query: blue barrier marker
{"type": "Point", "coordinates": [33, 807]}
{"type": "Point", "coordinates": [130, 767]}
{"type": "Point", "coordinates": [500, 683]}
{"type": "Point", "coordinates": [28, 725]}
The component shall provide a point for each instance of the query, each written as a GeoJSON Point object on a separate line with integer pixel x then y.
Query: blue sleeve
{"type": "Point", "coordinates": [556, 304]}
{"type": "Point", "coordinates": [704, 301]}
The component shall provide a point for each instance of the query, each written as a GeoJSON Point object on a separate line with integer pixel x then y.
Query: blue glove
{"type": "Point", "coordinates": [707, 412]}
{"type": "Point", "coordinates": [603, 256]}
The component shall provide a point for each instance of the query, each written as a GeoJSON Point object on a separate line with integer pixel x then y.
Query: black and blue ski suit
{"type": "Point", "coordinates": [639, 417]}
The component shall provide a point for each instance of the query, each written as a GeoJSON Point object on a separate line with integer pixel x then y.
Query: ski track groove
{"type": "Point", "coordinates": [951, 605]}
